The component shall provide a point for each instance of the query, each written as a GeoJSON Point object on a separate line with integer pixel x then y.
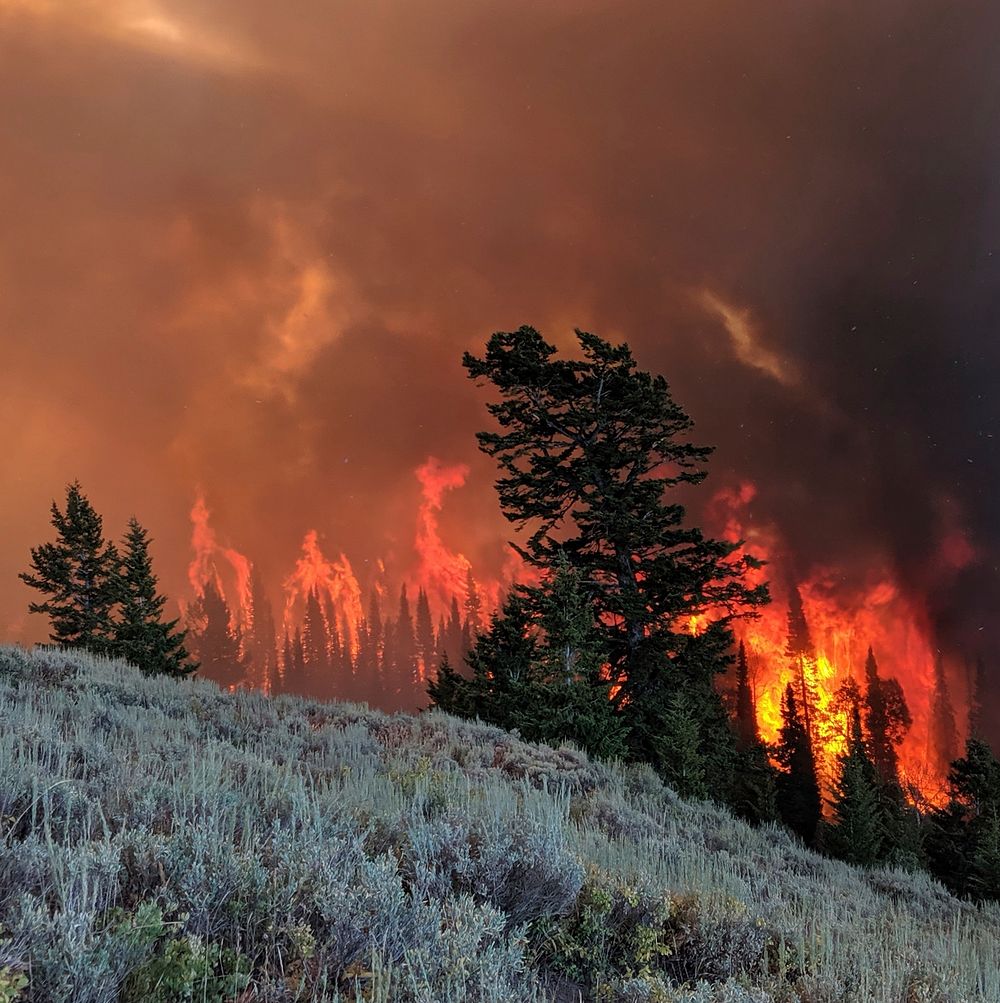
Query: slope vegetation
{"type": "Point", "coordinates": [165, 841]}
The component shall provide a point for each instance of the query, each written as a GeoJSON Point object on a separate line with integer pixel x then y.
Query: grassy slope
{"type": "Point", "coordinates": [426, 858]}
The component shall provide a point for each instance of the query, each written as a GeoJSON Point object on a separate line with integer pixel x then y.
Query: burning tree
{"type": "Point", "coordinates": [591, 453]}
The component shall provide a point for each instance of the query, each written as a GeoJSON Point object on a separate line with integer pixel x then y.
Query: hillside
{"type": "Point", "coordinates": [166, 841]}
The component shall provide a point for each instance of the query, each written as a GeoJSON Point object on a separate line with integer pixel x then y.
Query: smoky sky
{"type": "Point", "coordinates": [245, 244]}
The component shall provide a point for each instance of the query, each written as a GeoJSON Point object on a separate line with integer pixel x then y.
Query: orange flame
{"type": "Point", "coordinates": [442, 572]}
{"type": "Point", "coordinates": [333, 581]}
{"type": "Point", "coordinates": [843, 623]}
{"type": "Point", "coordinates": [207, 565]}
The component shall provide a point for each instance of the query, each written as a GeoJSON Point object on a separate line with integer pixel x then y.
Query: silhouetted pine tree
{"type": "Point", "coordinates": [214, 638]}
{"type": "Point", "coordinates": [141, 635]}
{"type": "Point", "coordinates": [977, 684]}
{"type": "Point", "coordinates": [299, 676]}
{"type": "Point", "coordinates": [754, 786]}
{"type": "Point", "coordinates": [856, 831]}
{"type": "Point", "coordinates": [283, 683]}
{"type": "Point", "coordinates": [746, 714]}
{"type": "Point", "coordinates": [802, 654]}
{"type": "Point", "coordinates": [78, 574]}
{"type": "Point", "coordinates": [592, 452]}
{"type": "Point", "coordinates": [315, 648]}
{"type": "Point", "coordinates": [262, 643]}
{"type": "Point", "coordinates": [887, 720]}
{"type": "Point", "coordinates": [944, 732]}
{"type": "Point", "coordinates": [963, 841]}
{"type": "Point", "coordinates": [798, 789]}
{"type": "Point", "coordinates": [473, 607]}
{"type": "Point", "coordinates": [455, 644]}
{"type": "Point", "coordinates": [404, 650]}
{"type": "Point", "coordinates": [424, 630]}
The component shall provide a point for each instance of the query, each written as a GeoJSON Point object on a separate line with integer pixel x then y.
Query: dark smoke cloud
{"type": "Point", "coordinates": [244, 247]}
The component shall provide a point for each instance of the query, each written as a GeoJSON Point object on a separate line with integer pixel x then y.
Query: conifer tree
{"type": "Point", "coordinates": [424, 629]}
{"type": "Point", "coordinates": [141, 635]}
{"type": "Point", "coordinates": [746, 714]}
{"type": "Point", "coordinates": [856, 832]}
{"type": "Point", "coordinates": [262, 643]}
{"type": "Point", "coordinates": [214, 638]}
{"type": "Point", "coordinates": [679, 756]}
{"type": "Point", "coordinates": [944, 732]}
{"type": "Point", "coordinates": [887, 720]}
{"type": "Point", "coordinates": [798, 789]}
{"type": "Point", "coordinates": [455, 644]}
{"type": "Point", "coordinates": [963, 844]}
{"type": "Point", "coordinates": [315, 648]}
{"type": "Point", "coordinates": [78, 575]}
{"type": "Point", "coordinates": [802, 654]}
{"type": "Point", "coordinates": [539, 669]}
{"type": "Point", "coordinates": [404, 647]}
{"type": "Point", "coordinates": [977, 686]}
{"type": "Point", "coordinates": [473, 606]}
{"type": "Point", "coordinates": [591, 454]}
{"type": "Point", "coordinates": [284, 681]}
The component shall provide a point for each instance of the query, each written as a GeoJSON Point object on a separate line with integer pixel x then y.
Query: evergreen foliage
{"type": "Point", "coordinates": [887, 720]}
{"type": "Point", "coordinates": [591, 452]}
{"type": "Point", "coordinates": [798, 788]}
{"type": "Point", "coordinates": [746, 714]}
{"type": "Point", "coordinates": [856, 833]}
{"type": "Point", "coordinates": [802, 655]}
{"type": "Point", "coordinates": [215, 639]}
{"type": "Point", "coordinates": [964, 845]}
{"type": "Point", "coordinates": [140, 634]}
{"type": "Point", "coordinates": [539, 669]}
{"type": "Point", "coordinates": [944, 731]}
{"type": "Point", "coordinates": [78, 575]}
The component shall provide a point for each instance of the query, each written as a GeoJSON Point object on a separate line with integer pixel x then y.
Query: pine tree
{"type": "Point", "coordinates": [473, 607]}
{"type": "Point", "coordinates": [802, 654]}
{"type": "Point", "coordinates": [798, 789]}
{"type": "Point", "coordinates": [141, 636]}
{"type": "Point", "coordinates": [284, 682]}
{"type": "Point", "coordinates": [262, 643]}
{"type": "Point", "coordinates": [455, 644]}
{"type": "Point", "coordinates": [315, 647]}
{"type": "Point", "coordinates": [964, 844]}
{"type": "Point", "coordinates": [977, 687]}
{"type": "Point", "coordinates": [538, 669]}
{"type": "Point", "coordinates": [404, 650]}
{"type": "Point", "coordinates": [426, 653]}
{"type": "Point", "coordinates": [856, 833]}
{"type": "Point", "coordinates": [591, 454]}
{"type": "Point", "coordinates": [746, 714]}
{"type": "Point", "coordinates": [679, 754]}
{"type": "Point", "coordinates": [78, 574]}
{"type": "Point", "coordinates": [944, 732]}
{"type": "Point", "coordinates": [214, 638]}
{"type": "Point", "coordinates": [887, 720]}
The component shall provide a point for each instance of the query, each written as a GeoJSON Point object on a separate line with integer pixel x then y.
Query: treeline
{"type": "Point", "coordinates": [624, 647]}
{"type": "Point", "coordinates": [386, 658]}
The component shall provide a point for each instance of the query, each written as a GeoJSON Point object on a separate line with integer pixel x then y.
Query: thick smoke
{"type": "Point", "coordinates": [244, 247]}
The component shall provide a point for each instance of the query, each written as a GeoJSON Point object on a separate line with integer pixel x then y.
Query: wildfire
{"type": "Point", "coordinates": [842, 624]}
{"type": "Point", "coordinates": [838, 623]}
{"type": "Point", "coordinates": [333, 582]}
{"type": "Point", "coordinates": [225, 567]}
{"type": "Point", "coordinates": [442, 572]}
